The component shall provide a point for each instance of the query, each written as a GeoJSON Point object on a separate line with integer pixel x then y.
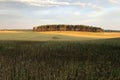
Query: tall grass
{"type": "Point", "coordinates": [63, 60]}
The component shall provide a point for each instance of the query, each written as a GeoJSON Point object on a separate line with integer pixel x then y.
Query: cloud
{"type": "Point", "coordinates": [114, 1]}
{"type": "Point", "coordinates": [76, 14]}
{"type": "Point", "coordinates": [47, 3]}
{"type": "Point", "coordinates": [60, 3]}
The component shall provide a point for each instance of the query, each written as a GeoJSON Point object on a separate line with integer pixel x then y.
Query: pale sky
{"type": "Point", "coordinates": [25, 14]}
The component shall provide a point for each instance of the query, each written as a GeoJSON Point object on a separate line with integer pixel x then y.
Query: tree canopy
{"type": "Point", "coordinates": [67, 28]}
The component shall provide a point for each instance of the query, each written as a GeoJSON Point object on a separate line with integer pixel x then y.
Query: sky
{"type": "Point", "coordinates": [25, 14]}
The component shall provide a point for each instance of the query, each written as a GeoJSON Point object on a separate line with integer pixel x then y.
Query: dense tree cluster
{"type": "Point", "coordinates": [112, 30]}
{"type": "Point", "coordinates": [67, 28]}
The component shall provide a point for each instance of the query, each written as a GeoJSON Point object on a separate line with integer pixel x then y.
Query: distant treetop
{"type": "Point", "coordinates": [63, 27]}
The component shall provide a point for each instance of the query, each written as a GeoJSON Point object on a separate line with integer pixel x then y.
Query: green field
{"type": "Point", "coordinates": [34, 56]}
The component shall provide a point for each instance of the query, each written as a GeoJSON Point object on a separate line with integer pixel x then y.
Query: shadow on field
{"type": "Point", "coordinates": [60, 60]}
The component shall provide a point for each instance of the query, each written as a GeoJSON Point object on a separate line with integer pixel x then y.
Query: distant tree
{"type": "Point", "coordinates": [63, 27]}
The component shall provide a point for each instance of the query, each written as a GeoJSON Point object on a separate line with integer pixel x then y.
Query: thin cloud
{"type": "Point", "coordinates": [45, 3]}
{"type": "Point", "coordinates": [114, 1]}
{"type": "Point", "coordinates": [60, 3]}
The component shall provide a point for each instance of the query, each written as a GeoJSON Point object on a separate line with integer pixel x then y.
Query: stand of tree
{"type": "Point", "coordinates": [67, 28]}
{"type": "Point", "coordinates": [112, 30]}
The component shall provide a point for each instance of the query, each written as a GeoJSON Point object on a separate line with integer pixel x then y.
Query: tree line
{"type": "Point", "coordinates": [67, 28]}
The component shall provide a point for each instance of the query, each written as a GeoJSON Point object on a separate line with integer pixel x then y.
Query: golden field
{"type": "Point", "coordinates": [86, 34]}
{"type": "Point", "coordinates": [56, 35]}
{"type": "Point", "coordinates": [10, 31]}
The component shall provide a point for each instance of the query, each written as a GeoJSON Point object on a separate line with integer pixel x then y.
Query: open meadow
{"type": "Point", "coordinates": [27, 55]}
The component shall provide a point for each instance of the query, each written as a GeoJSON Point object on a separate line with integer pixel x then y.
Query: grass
{"type": "Point", "coordinates": [60, 60]}
{"type": "Point", "coordinates": [58, 56]}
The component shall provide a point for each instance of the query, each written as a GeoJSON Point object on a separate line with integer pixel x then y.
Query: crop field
{"type": "Point", "coordinates": [56, 35]}
{"type": "Point", "coordinates": [43, 56]}
{"type": "Point", "coordinates": [36, 36]}
{"type": "Point", "coordinates": [97, 35]}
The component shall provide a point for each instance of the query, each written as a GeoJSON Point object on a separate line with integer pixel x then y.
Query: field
{"type": "Point", "coordinates": [58, 56]}
{"type": "Point", "coordinates": [35, 36]}
{"type": "Point", "coordinates": [56, 35]}
{"type": "Point", "coordinates": [96, 35]}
